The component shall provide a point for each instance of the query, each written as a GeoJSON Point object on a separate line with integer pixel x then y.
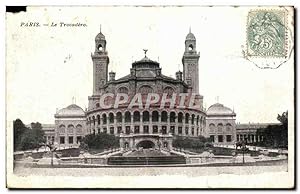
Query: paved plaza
{"type": "Point", "coordinates": [150, 171]}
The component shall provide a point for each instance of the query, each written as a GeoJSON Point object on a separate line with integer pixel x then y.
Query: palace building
{"type": "Point", "coordinates": [147, 127]}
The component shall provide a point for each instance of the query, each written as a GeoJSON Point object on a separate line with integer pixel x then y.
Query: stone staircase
{"type": "Point", "coordinates": [144, 160]}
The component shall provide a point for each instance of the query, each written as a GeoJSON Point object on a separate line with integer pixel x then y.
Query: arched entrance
{"type": "Point", "coordinates": [126, 145]}
{"type": "Point", "coordinates": [146, 144]}
{"type": "Point", "coordinates": [165, 144]}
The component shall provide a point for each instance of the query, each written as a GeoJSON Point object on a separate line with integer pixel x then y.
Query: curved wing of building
{"type": "Point", "coordinates": [145, 108]}
{"type": "Point", "coordinates": [156, 122]}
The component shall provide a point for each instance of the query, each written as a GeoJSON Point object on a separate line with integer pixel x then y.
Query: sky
{"type": "Point", "coordinates": [46, 67]}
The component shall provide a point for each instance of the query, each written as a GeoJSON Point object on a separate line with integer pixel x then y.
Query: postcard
{"type": "Point", "coordinates": [150, 97]}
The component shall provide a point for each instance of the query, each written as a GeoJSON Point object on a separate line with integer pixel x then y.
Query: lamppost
{"type": "Point", "coordinates": [50, 145]}
{"type": "Point", "coordinates": [244, 143]}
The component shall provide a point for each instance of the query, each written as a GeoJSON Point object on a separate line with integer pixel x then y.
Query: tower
{"type": "Point", "coordinates": [100, 63]}
{"type": "Point", "coordinates": [190, 61]}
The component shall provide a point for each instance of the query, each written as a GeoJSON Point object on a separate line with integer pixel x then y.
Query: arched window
{"type": "Point", "coordinates": [136, 116]}
{"type": "Point", "coordinates": [123, 90]}
{"type": "Point", "coordinates": [62, 129]}
{"type": "Point", "coordinates": [180, 117]}
{"type": "Point", "coordinates": [71, 128]}
{"type": "Point", "coordinates": [111, 117]}
{"type": "Point", "coordinates": [187, 117]}
{"type": "Point", "coordinates": [197, 120]}
{"type": "Point", "coordinates": [109, 100]}
{"type": "Point", "coordinates": [220, 127]}
{"type": "Point", "coordinates": [164, 116]}
{"type": "Point", "coordinates": [193, 119]}
{"type": "Point", "coordinates": [104, 118]}
{"type": "Point", "coordinates": [94, 120]}
{"type": "Point", "coordinates": [228, 127]}
{"type": "Point", "coordinates": [154, 116]}
{"type": "Point", "coordinates": [145, 116]}
{"type": "Point", "coordinates": [169, 91]}
{"type": "Point", "coordinates": [78, 128]}
{"type": "Point", "coordinates": [127, 117]}
{"type": "Point", "coordinates": [145, 90]}
{"type": "Point", "coordinates": [119, 117]}
{"type": "Point", "coordinates": [100, 47]}
{"type": "Point", "coordinates": [172, 117]}
{"type": "Point", "coordinates": [98, 119]}
{"type": "Point", "coordinates": [212, 127]}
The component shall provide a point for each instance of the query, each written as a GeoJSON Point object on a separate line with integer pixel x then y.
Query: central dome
{"type": "Point", "coordinates": [71, 110]}
{"type": "Point", "coordinates": [145, 63]}
{"type": "Point", "coordinates": [219, 109]}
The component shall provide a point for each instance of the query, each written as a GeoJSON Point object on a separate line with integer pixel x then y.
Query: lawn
{"type": "Point", "coordinates": [222, 151]}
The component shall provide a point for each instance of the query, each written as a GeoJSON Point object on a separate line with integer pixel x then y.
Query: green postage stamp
{"type": "Point", "coordinates": [268, 38]}
{"type": "Point", "coordinates": [266, 33]}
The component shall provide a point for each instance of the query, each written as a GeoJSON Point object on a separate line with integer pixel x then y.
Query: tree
{"type": "Point", "coordinates": [19, 129]}
{"type": "Point", "coordinates": [272, 135]}
{"type": "Point", "coordinates": [283, 119]}
{"type": "Point", "coordinates": [276, 135]}
{"type": "Point", "coordinates": [27, 138]}
{"type": "Point", "coordinates": [38, 133]}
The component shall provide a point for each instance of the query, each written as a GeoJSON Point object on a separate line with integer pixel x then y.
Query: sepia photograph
{"type": "Point", "coordinates": [175, 97]}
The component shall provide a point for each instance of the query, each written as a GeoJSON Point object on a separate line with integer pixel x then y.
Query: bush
{"type": "Point", "coordinates": [100, 141]}
{"type": "Point", "coordinates": [71, 152]}
{"type": "Point", "coordinates": [208, 145]}
{"type": "Point", "coordinates": [193, 143]}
